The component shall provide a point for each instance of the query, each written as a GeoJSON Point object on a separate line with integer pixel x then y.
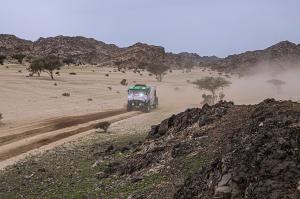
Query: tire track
{"type": "Point", "coordinates": [57, 124]}
{"type": "Point", "coordinates": [22, 146]}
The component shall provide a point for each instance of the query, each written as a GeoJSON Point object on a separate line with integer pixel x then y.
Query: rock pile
{"type": "Point", "coordinates": [260, 160]}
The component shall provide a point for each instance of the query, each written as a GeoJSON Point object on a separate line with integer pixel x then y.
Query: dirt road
{"type": "Point", "coordinates": [23, 139]}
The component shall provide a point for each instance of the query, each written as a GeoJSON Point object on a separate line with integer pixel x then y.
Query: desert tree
{"type": "Point", "coordinates": [45, 64]}
{"type": "Point", "coordinates": [118, 63]}
{"type": "Point", "coordinates": [212, 84]}
{"type": "Point", "coordinates": [19, 57]}
{"type": "Point", "coordinates": [159, 70]}
{"type": "Point", "coordinates": [207, 99]}
{"type": "Point", "coordinates": [188, 66]}
{"type": "Point", "coordinates": [2, 58]}
{"type": "Point", "coordinates": [276, 83]}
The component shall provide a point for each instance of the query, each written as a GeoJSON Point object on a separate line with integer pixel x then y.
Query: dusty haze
{"type": "Point", "coordinates": [255, 87]}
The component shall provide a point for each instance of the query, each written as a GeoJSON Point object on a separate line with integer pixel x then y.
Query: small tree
{"type": "Point", "coordinates": [47, 64]}
{"type": "Point", "coordinates": [158, 70]}
{"type": "Point", "coordinates": [19, 57]}
{"type": "Point", "coordinates": [212, 84]}
{"type": "Point", "coordinates": [2, 58]}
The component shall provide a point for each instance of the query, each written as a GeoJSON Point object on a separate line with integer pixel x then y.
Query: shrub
{"type": "Point", "coordinates": [19, 57]}
{"type": "Point", "coordinates": [72, 73]}
{"type": "Point", "coordinates": [47, 64]}
{"type": "Point", "coordinates": [124, 82]}
{"type": "Point", "coordinates": [66, 94]}
{"type": "Point", "coordinates": [90, 99]}
{"type": "Point", "coordinates": [107, 75]}
{"type": "Point", "coordinates": [2, 58]}
{"type": "Point", "coordinates": [1, 116]}
{"type": "Point", "coordinates": [103, 125]}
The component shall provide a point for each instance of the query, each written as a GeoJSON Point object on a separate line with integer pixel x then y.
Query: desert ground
{"type": "Point", "coordinates": [41, 126]}
{"type": "Point", "coordinates": [36, 114]}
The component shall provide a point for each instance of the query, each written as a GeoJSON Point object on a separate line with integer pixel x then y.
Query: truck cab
{"type": "Point", "coordinates": [142, 97]}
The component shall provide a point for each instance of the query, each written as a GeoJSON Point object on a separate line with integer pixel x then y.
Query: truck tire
{"type": "Point", "coordinates": [129, 107]}
{"type": "Point", "coordinates": [147, 108]}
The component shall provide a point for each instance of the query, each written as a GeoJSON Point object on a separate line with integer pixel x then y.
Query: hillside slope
{"type": "Point", "coordinates": [221, 151]}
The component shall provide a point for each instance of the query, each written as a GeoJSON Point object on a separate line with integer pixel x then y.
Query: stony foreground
{"type": "Point", "coordinates": [220, 151]}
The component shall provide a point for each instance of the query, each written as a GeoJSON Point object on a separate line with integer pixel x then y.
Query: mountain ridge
{"type": "Point", "coordinates": [85, 50]}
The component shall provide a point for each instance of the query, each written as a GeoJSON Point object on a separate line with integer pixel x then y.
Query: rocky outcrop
{"type": "Point", "coordinates": [90, 51]}
{"type": "Point", "coordinates": [279, 55]}
{"type": "Point", "coordinates": [136, 55]}
{"type": "Point", "coordinates": [82, 50]}
{"type": "Point", "coordinates": [222, 152]}
{"type": "Point", "coordinates": [10, 44]}
{"type": "Point", "coordinates": [182, 60]}
{"type": "Point", "coordinates": [259, 160]}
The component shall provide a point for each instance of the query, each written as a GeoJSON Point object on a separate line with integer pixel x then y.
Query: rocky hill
{"type": "Point", "coordinates": [82, 50]}
{"type": "Point", "coordinates": [224, 151]}
{"type": "Point", "coordinates": [235, 151]}
{"type": "Point", "coordinates": [90, 51]}
{"type": "Point", "coordinates": [278, 55]}
{"type": "Point", "coordinates": [10, 44]}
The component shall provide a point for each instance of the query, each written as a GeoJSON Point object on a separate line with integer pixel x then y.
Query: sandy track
{"type": "Point", "coordinates": [55, 130]}
{"type": "Point", "coordinates": [53, 124]}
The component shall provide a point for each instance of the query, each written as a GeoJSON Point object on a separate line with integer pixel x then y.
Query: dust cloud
{"type": "Point", "coordinates": [257, 86]}
{"type": "Point", "coordinates": [252, 88]}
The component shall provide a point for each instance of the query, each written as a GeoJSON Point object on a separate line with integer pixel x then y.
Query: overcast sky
{"type": "Point", "coordinates": [206, 27]}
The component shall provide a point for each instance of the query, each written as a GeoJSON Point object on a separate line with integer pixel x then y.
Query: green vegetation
{"type": "Point", "coordinates": [158, 70]}
{"type": "Point", "coordinates": [19, 57]}
{"type": "Point", "coordinates": [2, 58]}
{"type": "Point", "coordinates": [211, 84]}
{"type": "Point", "coordinates": [67, 172]}
{"type": "Point", "coordinates": [45, 64]}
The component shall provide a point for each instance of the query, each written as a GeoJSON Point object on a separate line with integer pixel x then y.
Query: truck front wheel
{"type": "Point", "coordinates": [147, 108]}
{"type": "Point", "coordinates": [129, 107]}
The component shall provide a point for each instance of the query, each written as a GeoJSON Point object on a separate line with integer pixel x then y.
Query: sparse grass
{"type": "Point", "coordinates": [68, 172]}
{"type": "Point", "coordinates": [194, 163]}
{"type": "Point", "coordinates": [125, 189]}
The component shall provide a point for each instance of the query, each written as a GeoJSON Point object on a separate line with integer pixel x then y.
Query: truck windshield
{"type": "Point", "coordinates": [136, 92]}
